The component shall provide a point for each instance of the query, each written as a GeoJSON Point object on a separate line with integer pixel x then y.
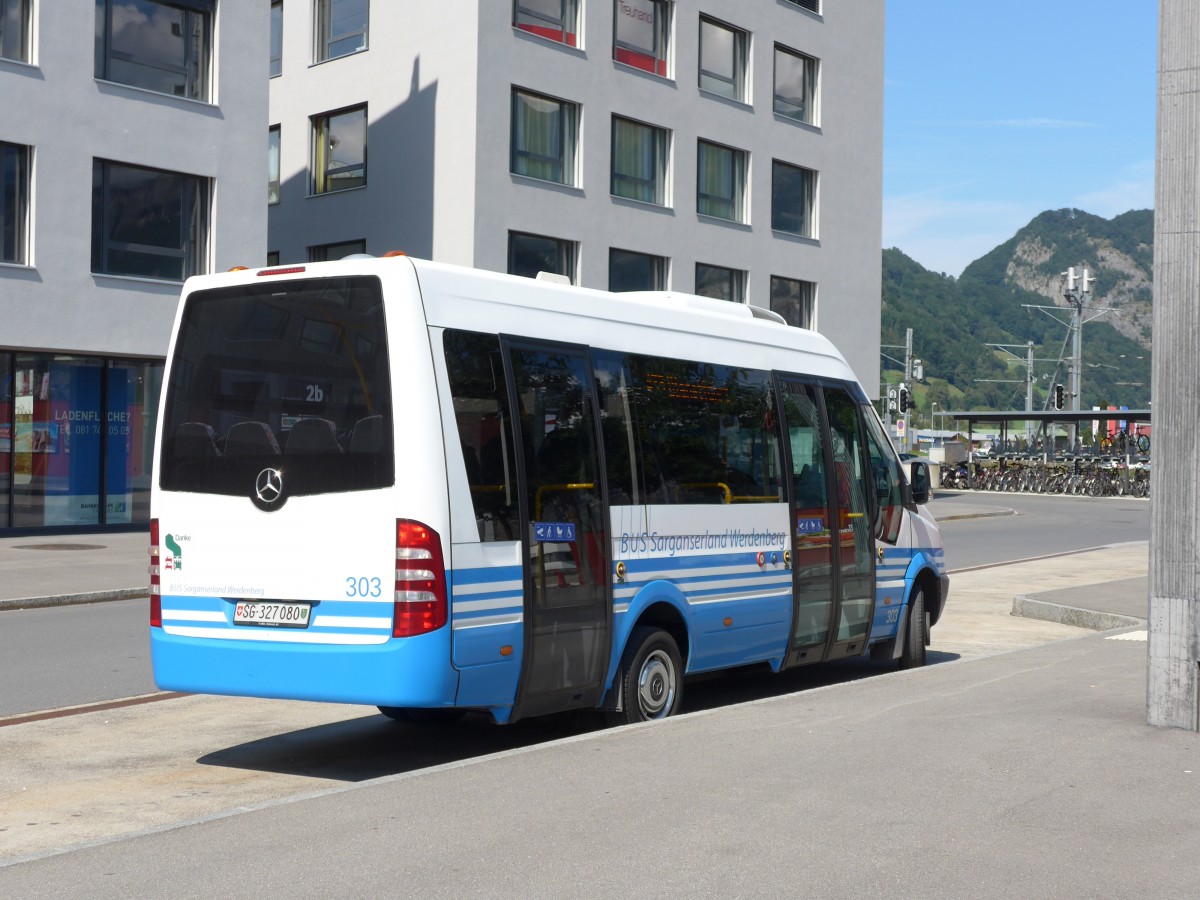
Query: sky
{"type": "Point", "coordinates": [995, 112]}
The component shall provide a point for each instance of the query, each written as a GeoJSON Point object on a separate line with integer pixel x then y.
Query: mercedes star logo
{"type": "Point", "coordinates": [268, 487]}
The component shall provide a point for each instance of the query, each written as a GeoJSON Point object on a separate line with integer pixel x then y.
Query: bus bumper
{"type": "Point", "coordinates": [406, 672]}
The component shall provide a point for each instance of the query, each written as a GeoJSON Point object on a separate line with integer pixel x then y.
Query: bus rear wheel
{"type": "Point", "coordinates": [651, 678]}
{"type": "Point", "coordinates": [912, 655]}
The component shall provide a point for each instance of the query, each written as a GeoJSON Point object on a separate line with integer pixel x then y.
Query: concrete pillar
{"type": "Point", "coordinates": [1173, 665]}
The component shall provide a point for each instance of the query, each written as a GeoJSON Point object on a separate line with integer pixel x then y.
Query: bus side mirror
{"type": "Point", "coordinates": [918, 478]}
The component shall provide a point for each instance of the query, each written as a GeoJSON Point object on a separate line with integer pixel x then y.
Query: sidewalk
{"type": "Point", "coordinates": [56, 570]}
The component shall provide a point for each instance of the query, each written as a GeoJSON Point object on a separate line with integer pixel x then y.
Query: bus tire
{"type": "Point", "coordinates": [912, 655]}
{"type": "Point", "coordinates": [419, 716]}
{"type": "Point", "coordinates": [650, 678]}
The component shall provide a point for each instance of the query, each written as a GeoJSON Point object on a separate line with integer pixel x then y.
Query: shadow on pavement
{"type": "Point", "coordinates": [373, 746]}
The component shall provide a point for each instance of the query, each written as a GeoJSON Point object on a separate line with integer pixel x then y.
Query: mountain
{"type": "Point", "coordinates": [957, 322]}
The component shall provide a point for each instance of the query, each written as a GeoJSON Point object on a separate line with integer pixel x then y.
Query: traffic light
{"type": "Point", "coordinates": [1058, 396]}
{"type": "Point", "coordinates": [903, 400]}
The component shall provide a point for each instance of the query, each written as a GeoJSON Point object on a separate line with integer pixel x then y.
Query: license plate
{"type": "Point", "coordinates": [279, 615]}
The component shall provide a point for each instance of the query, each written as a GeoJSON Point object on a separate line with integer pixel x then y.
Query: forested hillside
{"type": "Point", "coordinates": [955, 322]}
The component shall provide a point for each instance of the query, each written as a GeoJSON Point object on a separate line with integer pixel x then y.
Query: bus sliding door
{"type": "Point", "coordinates": [832, 559]}
{"type": "Point", "coordinates": [563, 512]}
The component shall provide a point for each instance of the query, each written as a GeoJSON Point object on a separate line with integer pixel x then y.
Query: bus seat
{"type": "Point", "coordinates": [195, 440]}
{"type": "Point", "coordinates": [312, 436]}
{"type": "Point", "coordinates": [250, 439]}
{"type": "Point", "coordinates": [368, 435]}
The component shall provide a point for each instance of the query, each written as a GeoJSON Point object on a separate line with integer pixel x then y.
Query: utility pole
{"type": "Point", "coordinates": [1173, 660]}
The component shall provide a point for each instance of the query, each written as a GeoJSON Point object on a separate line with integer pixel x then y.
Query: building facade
{"type": "Point", "coordinates": [731, 148]}
{"type": "Point", "coordinates": [130, 157]}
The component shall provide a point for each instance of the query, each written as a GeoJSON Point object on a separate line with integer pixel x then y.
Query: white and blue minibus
{"type": "Point", "coordinates": [432, 489]}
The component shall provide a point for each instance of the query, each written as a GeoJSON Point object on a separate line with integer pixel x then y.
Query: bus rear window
{"type": "Point", "coordinates": [294, 371]}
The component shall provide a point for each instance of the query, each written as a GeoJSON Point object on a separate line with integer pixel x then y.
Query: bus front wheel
{"type": "Point", "coordinates": [651, 678]}
{"type": "Point", "coordinates": [912, 655]}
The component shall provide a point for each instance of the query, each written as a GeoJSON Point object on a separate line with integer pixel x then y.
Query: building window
{"type": "Point", "coordinates": [14, 203]}
{"type": "Point", "coordinates": [630, 271]}
{"type": "Point", "coordinates": [793, 196]}
{"type": "Point", "coordinates": [340, 150]}
{"type": "Point", "coordinates": [721, 283]}
{"type": "Point", "coordinates": [272, 257]}
{"type": "Point", "coordinates": [529, 254]}
{"type": "Point", "coordinates": [341, 28]}
{"type": "Point", "coordinates": [795, 300]}
{"type": "Point", "coordinates": [720, 182]}
{"type": "Point", "coordinates": [795, 85]}
{"type": "Point", "coordinates": [639, 161]}
{"type": "Point", "coordinates": [273, 164]}
{"type": "Point", "coordinates": [276, 37]}
{"type": "Point", "coordinates": [14, 29]}
{"type": "Point", "coordinates": [338, 250]}
{"type": "Point", "coordinates": [555, 20]}
{"type": "Point", "coordinates": [723, 54]}
{"type": "Point", "coordinates": [640, 34]}
{"type": "Point", "coordinates": [543, 137]}
{"type": "Point", "coordinates": [810, 5]}
{"type": "Point", "coordinates": [158, 46]}
{"type": "Point", "coordinates": [148, 222]}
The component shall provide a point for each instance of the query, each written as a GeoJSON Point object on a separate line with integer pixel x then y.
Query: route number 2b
{"type": "Point", "coordinates": [314, 393]}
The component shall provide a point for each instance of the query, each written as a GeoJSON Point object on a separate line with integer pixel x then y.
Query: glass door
{"type": "Point", "coordinates": [854, 545]}
{"type": "Point", "coordinates": [564, 511]}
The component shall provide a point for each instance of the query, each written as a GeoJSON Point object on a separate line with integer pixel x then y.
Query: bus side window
{"type": "Point", "coordinates": [480, 395]}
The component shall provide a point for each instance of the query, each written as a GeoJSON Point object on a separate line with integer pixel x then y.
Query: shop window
{"type": "Point", "coordinates": [276, 65]}
{"type": "Point", "coordinates": [14, 203]}
{"type": "Point", "coordinates": [341, 28]}
{"type": "Point", "coordinates": [340, 150]}
{"type": "Point", "coordinates": [6, 437]}
{"type": "Point", "coordinates": [14, 29]}
{"type": "Point", "coordinates": [555, 20]}
{"type": "Point", "coordinates": [723, 54]}
{"type": "Point", "coordinates": [339, 250]}
{"type": "Point", "coordinates": [631, 271]}
{"type": "Point", "coordinates": [721, 283]}
{"type": "Point", "coordinates": [793, 199]}
{"type": "Point", "coordinates": [795, 85]}
{"type": "Point", "coordinates": [273, 164]}
{"type": "Point", "coordinates": [131, 411]}
{"type": "Point", "coordinates": [148, 222]}
{"type": "Point", "coordinates": [641, 31]}
{"type": "Point", "coordinates": [529, 254]}
{"type": "Point", "coordinates": [158, 46]}
{"type": "Point", "coordinates": [795, 300]}
{"type": "Point", "coordinates": [720, 182]}
{"type": "Point", "coordinates": [639, 161]}
{"type": "Point", "coordinates": [543, 137]}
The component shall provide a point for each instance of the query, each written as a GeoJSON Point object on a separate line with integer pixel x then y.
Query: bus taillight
{"type": "Point", "coordinates": [155, 578]}
{"type": "Point", "coordinates": [420, 605]}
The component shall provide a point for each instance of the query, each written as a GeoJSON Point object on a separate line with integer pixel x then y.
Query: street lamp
{"type": "Point", "coordinates": [933, 417]}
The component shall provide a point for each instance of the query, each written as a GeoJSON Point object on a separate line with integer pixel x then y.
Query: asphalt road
{"type": "Point", "coordinates": [68, 656]}
{"type": "Point", "coordinates": [1043, 525]}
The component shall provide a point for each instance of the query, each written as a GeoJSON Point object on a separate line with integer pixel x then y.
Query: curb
{"type": "Point", "coordinates": [980, 514]}
{"type": "Point", "coordinates": [1028, 608]}
{"type": "Point", "coordinates": [73, 599]}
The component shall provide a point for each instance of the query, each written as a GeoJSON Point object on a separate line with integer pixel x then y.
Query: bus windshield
{"type": "Point", "coordinates": [294, 370]}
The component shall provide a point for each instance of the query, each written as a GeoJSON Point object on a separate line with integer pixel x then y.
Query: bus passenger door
{"type": "Point", "coordinates": [854, 553]}
{"type": "Point", "coordinates": [567, 607]}
{"type": "Point", "coordinates": [832, 546]}
{"type": "Point", "coordinates": [812, 536]}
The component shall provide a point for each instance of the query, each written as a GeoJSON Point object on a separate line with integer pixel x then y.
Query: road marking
{"type": "Point", "coordinates": [88, 708]}
{"type": "Point", "coordinates": [1142, 635]}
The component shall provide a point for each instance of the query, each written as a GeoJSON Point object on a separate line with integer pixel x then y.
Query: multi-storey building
{"type": "Point", "coordinates": [731, 148]}
{"type": "Point", "coordinates": [130, 157]}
